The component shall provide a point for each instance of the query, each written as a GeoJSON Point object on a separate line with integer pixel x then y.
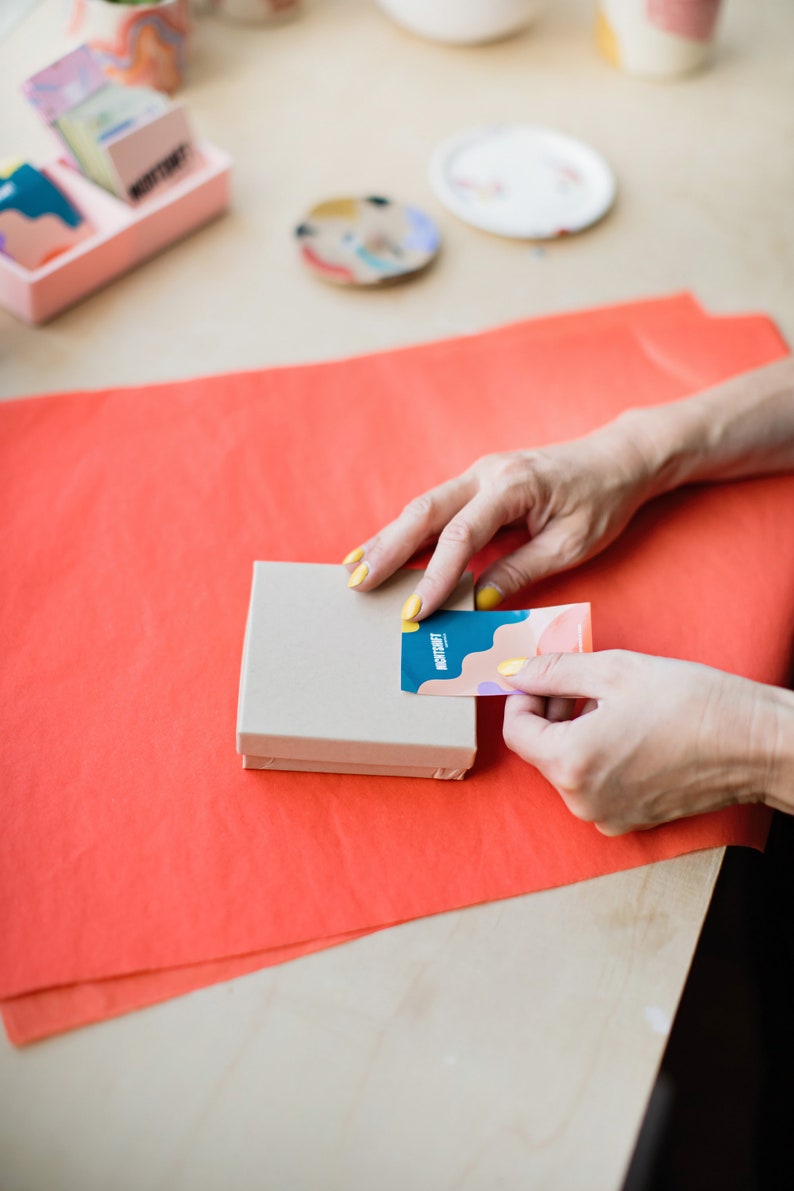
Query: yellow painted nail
{"type": "Point", "coordinates": [354, 556]}
{"type": "Point", "coordinates": [359, 575]}
{"type": "Point", "coordinates": [412, 607]}
{"type": "Point", "coordinates": [511, 666]}
{"type": "Point", "coordinates": [488, 598]}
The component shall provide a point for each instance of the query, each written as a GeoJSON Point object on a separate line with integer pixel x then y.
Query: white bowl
{"type": "Point", "coordinates": [463, 22]}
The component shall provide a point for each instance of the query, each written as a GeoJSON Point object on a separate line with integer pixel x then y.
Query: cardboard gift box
{"type": "Point", "coordinates": [320, 680]}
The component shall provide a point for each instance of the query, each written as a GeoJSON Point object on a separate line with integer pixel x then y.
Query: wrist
{"type": "Point", "coordinates": [740, 427]}
{"type": "Point", "coordinates": [639, 456]}
{"type": "Point", "coordinates": [669, 444]}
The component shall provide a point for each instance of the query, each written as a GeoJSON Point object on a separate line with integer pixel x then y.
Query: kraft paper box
{"type": "Point", "coordinates": [320, 681]}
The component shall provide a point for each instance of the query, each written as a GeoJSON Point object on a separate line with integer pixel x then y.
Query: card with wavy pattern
{"type": "Point", "coordinates": [457, 653]}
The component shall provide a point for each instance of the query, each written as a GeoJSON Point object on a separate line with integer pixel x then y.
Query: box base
{"type": "Point", "coordinates": [444, 775]}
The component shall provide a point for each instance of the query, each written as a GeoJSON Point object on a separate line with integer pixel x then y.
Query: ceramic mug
{"type": "Point", "coordinates": [657, 39]}
{"type": "Point", "coordinates": [138, 44]}
{"type": "Point", "coordinates": [253, 12]}
{"type": "Point", "coordinates": [463, 22]}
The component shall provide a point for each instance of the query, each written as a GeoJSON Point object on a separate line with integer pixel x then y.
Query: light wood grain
{"type": "Point", "coordinates": [508, 1045]}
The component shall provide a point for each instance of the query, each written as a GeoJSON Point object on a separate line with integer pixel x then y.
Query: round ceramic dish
{"type": "Point", "coordinates": [366, 241]}
{"type": "Point", "coordinates": [522, 181]}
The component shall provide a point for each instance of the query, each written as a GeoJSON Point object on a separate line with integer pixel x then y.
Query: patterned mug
{"type": "Point", "coordinates": [253, 12]}
{"type": "Point", "coordinates": [657, 39]}
{"type": "Point", "coordinates": [137, 44]}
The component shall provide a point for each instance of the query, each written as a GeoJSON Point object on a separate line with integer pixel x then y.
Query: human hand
{"type": "Point", "coordinates": [657, 739]}
{"type": "Point", "coordinates": [574, 499]}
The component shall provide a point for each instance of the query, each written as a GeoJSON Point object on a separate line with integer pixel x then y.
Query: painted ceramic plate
{"type": "Point", "coordinates": [366, 241]}
{"type": "Point", "coordinates": [522, 181]}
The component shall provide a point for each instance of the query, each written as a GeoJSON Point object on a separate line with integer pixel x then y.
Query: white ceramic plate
{"type": "Point", "coordinates": [522, 181]}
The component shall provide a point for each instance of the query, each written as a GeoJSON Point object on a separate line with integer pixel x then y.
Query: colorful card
{"type": "Point", "coordinates": [457, 653]}
{"type": "Point", "coordinates": [37, 220]}
{"type": "Point", "coordinates": [64, 84]}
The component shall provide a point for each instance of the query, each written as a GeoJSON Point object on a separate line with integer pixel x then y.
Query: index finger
{"type": "Point", "coordinates": [420, 522]}
{"type": "Point", "coordinates": [464, 535]}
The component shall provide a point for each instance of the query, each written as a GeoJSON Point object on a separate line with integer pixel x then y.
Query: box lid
{"type": "Point", "coordinates": [320, 679]}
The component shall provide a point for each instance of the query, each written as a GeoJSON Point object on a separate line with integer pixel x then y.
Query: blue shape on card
{"type": "Point", "coordinates": [27, 190]}
{"type": "Point", "coordinates": [437, 647]}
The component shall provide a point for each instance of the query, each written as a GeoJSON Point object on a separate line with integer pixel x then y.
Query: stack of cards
{"type": "Point", "coordinates": [129, 140]}
{"type": "Point", "coordinates": [90, 126]}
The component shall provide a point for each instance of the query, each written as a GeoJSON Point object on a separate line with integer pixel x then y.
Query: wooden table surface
{"type": "Point", "coordinates": [513, 1045]}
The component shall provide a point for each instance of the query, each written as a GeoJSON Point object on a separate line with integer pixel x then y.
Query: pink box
{"type": "Point", "coordinates": [123, 235]}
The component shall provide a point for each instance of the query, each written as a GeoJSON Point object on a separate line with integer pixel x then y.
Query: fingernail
{"type": "Point", "coordinates": [359, 575]}
{"type": "Point", "coordinates": [354, 556]}
{"type": "Point", "coordinates": [412, 607]}
{"type": "Point", "coordinates": [511, 666]}
{"type": "Point", "coordinates": [488, 597]}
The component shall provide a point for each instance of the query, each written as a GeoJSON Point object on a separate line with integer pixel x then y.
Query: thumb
{"type": "Point", "coordinates": [560, 675]}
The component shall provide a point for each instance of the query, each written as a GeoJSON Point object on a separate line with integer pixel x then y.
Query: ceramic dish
{"type": "Point", "coordinates": [463, 22]}
{"type": "Point", "coordinates": [522, 181]}
{"type": "Point", "coordinates": [366, 241]}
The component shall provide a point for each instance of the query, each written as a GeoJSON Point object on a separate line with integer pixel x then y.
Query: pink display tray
{"type": "Point", "coordinates": [124, 235]}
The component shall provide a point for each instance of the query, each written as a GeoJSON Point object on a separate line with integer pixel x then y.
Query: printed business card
{"type": "Point", "coordinates": [457, 653]}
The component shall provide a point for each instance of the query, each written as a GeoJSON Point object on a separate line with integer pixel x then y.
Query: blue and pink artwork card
{"type": "Point", "coordinates": [37, 220]}
{"type": "Point", "coordinates": [457, 653]}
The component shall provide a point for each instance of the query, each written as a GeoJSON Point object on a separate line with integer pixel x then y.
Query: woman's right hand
{"type": "Point", "coordinates": [657, 738]}
{"type": "Point", "coordinates": [574, 498]}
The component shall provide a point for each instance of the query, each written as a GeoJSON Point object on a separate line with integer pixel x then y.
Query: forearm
{"type": "Point", "coordinates": [780, 786]}
{"type": "Point", "coordinates": [743, 427]}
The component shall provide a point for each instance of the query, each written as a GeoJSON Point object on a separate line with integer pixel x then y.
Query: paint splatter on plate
{"type": "Point", "coordinates": [366, 241]}
{"type": "Point", "coordinates": [522, 181]}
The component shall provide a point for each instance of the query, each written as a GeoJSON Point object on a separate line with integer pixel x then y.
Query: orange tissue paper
{"type": "Point", "coordinates": [138, 860]}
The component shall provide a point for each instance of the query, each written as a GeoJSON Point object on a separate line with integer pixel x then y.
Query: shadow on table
{"type": "Point", "coordinates": [721, 1113]}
